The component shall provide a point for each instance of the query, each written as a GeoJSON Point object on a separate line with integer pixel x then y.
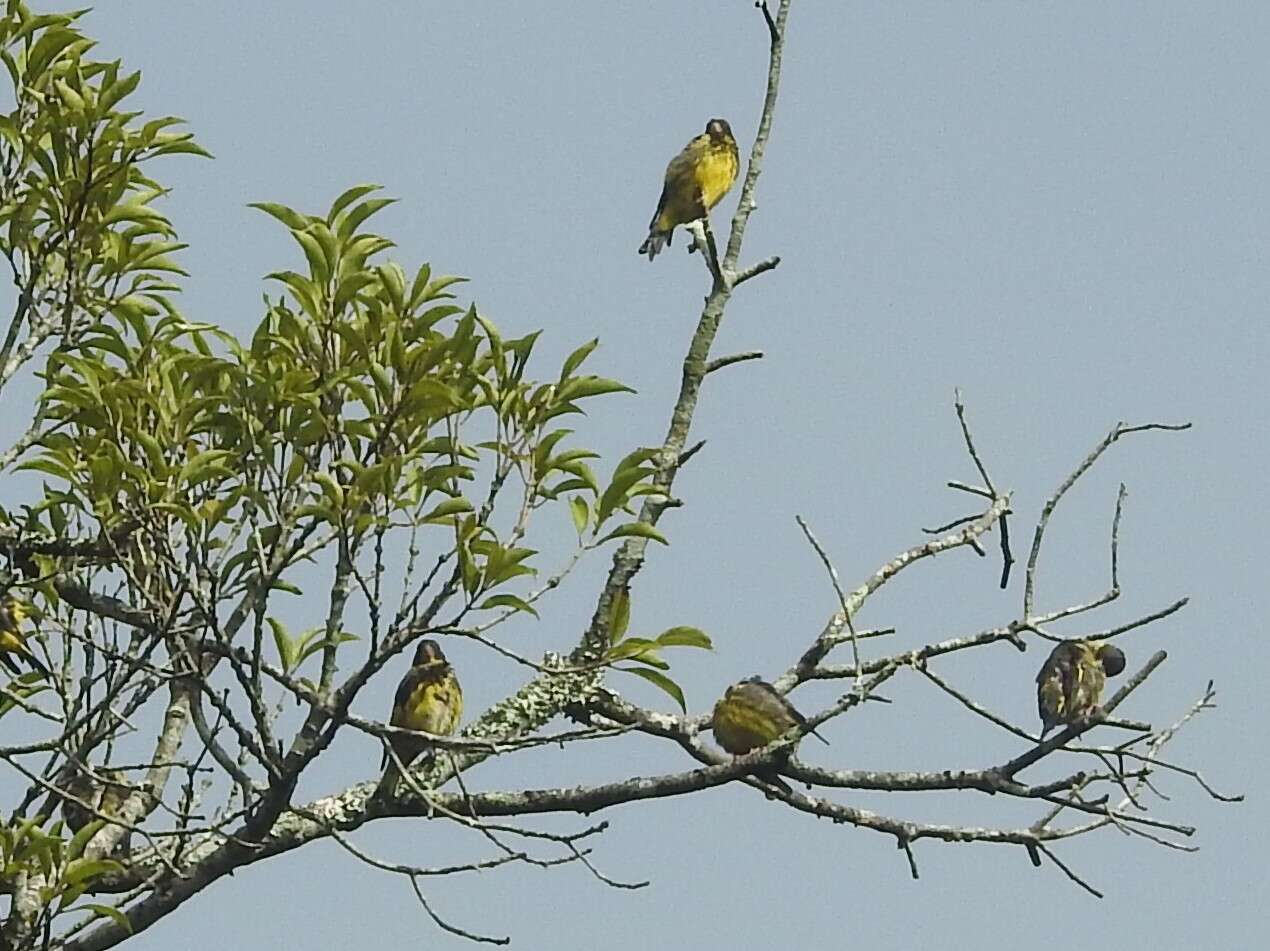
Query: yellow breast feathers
{"type": "Point", "coordinates": [696, 179]}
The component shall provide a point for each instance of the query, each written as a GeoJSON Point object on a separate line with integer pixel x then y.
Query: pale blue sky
{"type": "Point", "coordinates": [1061, 208]}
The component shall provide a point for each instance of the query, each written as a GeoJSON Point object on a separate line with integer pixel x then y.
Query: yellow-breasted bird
{"type": "Point", "coordinates": [106, 797]}
{"type": "Point", "coordinates": [428, 698]}
{"type": "Point", "coordinates": [1070, 682]}
{"type": "Point", "coordinates": [751, 714]}
{"type": "Point", "coordinates": [12, 641]}
{"type": "Point", "coordinates": [696, 179]}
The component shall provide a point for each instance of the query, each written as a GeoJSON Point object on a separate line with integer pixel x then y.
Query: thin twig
{"type": "Point", "coordinates": [1117, 431]}
{"type": "Point", "coordinates": [754, 270]}
{"type": "Point", "coordinates": [720, 362]}
{"type": "Point", "coordinates": [1067, 871]}
{"type": "Point", "coordinates": [837, 587]}
{"type": "Point", "coordinates": [446, 926]}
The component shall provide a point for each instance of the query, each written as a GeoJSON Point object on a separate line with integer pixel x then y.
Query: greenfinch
{"type": "Point", "coordinates": [696, 179]}
{"type": "Point", "coordinates": [13, 643]}
{"type": "Point", "coordinates": [429, 699]}
{"type": "Point", "coordinates": [752, 714]}
{"type": "Point", "coordinates": [105, 797]}
{"type": "Point", "coordinates": [1070, 681]}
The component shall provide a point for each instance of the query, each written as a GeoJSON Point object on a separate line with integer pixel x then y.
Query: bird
{"type": "Point", "coordinates": [696, 179]}
{"type": "Point", "coordinates": [1070, 681]}
{"type": "Point", "coordinates": [13, 643]}
{"type": "Point", "coordinates": [428, 698]}
{"type": "Point", "coordinates": [94, 796]}
{"type": "Point", "coordinates": [752, 714]}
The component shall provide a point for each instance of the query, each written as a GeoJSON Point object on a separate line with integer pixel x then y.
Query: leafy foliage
{"type": "Point", "coordinates": [191, 474]}
{"type": "Point", "coordinates": [646, 652]}
{"type": "Point", "coordinates": [216, 465]}
{"type": "Point", "coordinates": [77, 217]}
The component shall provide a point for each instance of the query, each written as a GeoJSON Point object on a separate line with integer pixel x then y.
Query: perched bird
{"type": "Point", "coordinates": [696, 179]}
{"type": "Point", "coordinates": [105, 797]}
{"type": "Point", "coordinates": [1070, 682]}
{"type": "Point", "coordinates": [429, 699]}
{"type": "Point", "coordinates": [12, 642]}
{"type": "Point", "coordinates": [751, 714]}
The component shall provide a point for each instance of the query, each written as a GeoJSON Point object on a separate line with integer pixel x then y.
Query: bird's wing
{"type": "Point", "coordinates": [404, 716]}
{"type": "Point", "coordinates": [792, 711]}
{"type": "Point", "coordinates": [1072, 673]}
{"type": "Point", "coordinates": [401, 700]}
{"type": "Point", "coordinates": [1092, 679]}
{"type": "Point", "coordinates": [1055, 685]}
{"type": "Point", "coordinates": [445, 706]}
{"type": "Point", "coordinates": [681, 175]}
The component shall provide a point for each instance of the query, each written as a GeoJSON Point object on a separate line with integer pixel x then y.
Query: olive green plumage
{"type": "Point", "coordinates": [88, 798]}
{"type": "Point", "coordinates": [429, 699]}
{"type": "Point", "coordinates": [13, 645]}
{"type": "Point", "coordinates": [696, 179]}
{"type": "Point", "coordinates": [752, 714]}
{"type": "Point", "coordinates": [1069, 685]}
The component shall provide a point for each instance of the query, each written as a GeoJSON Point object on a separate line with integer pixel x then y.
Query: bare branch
{"type": "Point", "coordinates": [1117, 431]}
{"type": "Point", "coordinates": [720, 362]}
{"type": "Point", "coordinates": [837, 587]}
{"type": "Point", "coordinates": [754, 270]}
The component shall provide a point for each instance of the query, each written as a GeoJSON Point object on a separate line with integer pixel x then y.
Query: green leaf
{"type": "Point", "coordinates": [333, 491]}
{"type": "Point", "coordinates": [47, 48]}
{"type": "Point", "coordinates": [619, 615]}
{"type": "Point", "coordinates": [585, 476]}
{"type": "Point", "coordinates": [70, 98]}
{"type": "Point", "coordinates": [25, 686]}
{"type": "Point", "coordinates": [282, 641]}
{"type": "Point", "coordinates": [80, 838]}
{"type": "Point", "coordinates": [183, 146]}
{"type": "Point", "coordinates": [581, 512]}
{"type": "Point", "coordinates": [636, 530]}
{"type": "Point", "coordinates": [393, 281]}
{"type": "Point", "coordinates": [341, 637]}
{"type": "Point", "coordinates": [354, 218]}
{"type": "Point", "coordinates": [319, 266]}
{"type": "Point", "coordinates": [685, 637]}
{"type": "Point", "coordinates": [635, 648]}
{"type": "Point", "coordinates": [117, 90]}
{"type": "Point", "coordinates": [288, 216]}
{"type": "Point", "coordinates": [584, 386]}
{"type": "Point", "coordinates": [111, 912]}
{"type": "Point", "coordinates": [204, 466]}
{"type": "Point", "coordinates": [660, 680]}
{"type": "Point", "coordinates": [507, 601]}
{"type": "Point", "coordinates": [547, 445]}
{"type": "Point", "coordinates": [82, 870]}
{"type": "Point", "coordinates": [619, 490]}
{"type": "Point", "coordinates": [575, 359]}
{"type": "Point", "coordinates": [47, 466]}
{"type": "Point", "coordinates": [350, 196]}
{"type": "Point", "coordinates": [448, 509]}
{"type": "Point", "coordinates": [347, 290]}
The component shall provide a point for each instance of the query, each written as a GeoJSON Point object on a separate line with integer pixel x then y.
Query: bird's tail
{"type": "Point", "coordinates": [655, 241]}
{"type": "Point", "coordinates": [388, 783]}
{"type": "Point", "coordinates": [392, 775]}
{"type": "Point", "coordinates": [803, 724]}
{"type": "Point", "coordinates": [770, 776]}
{"type": "Point", "coordinates": [8, 659]}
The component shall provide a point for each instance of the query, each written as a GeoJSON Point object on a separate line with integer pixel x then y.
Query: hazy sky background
{"type": "Point", "coordinates": [1060, 208]}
